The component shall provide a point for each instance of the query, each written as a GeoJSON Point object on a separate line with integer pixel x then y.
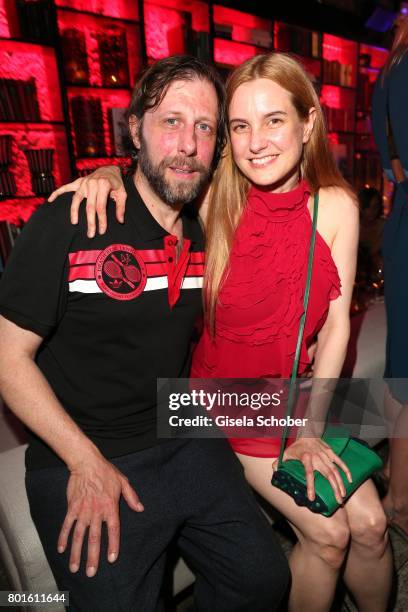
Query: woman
{"type": "Point", "coordinates": [390, 101]}
{"type": "Point", "coordinates": [258, 233]}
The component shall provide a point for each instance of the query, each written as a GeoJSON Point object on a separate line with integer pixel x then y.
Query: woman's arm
{"type": "Point", "coordinates": [333, 338]}
{"type": "Point", "coordinates": [331, 345]}
{"type": "Point", "coordinates": [334, 335]}
{"type": "Point", "coordinates": [97, 187]}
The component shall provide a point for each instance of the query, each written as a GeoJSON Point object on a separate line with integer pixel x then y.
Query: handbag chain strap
{"type": "Point", "coordinates": [292, 386]}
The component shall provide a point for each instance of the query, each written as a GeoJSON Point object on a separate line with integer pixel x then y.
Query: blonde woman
{"type": "Point", "coordinates": [258, 230]}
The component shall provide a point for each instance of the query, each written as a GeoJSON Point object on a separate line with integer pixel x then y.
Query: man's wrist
{"type": "Point", "coordinates": [83, 457]}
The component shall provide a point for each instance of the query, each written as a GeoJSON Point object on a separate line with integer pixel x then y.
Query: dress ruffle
{"type": "Point", "coordinates": [261, 300]}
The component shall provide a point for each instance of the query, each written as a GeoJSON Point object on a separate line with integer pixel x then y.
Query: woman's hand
{"type": "Point", "coordinates": [96, 188]}
{"type": "Point", "coordinates": [317, 455]}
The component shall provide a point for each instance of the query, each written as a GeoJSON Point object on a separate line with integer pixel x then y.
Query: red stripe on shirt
{"type": "Point", "coordinates": [197, 258]}
{"type": "Point", "coordinates": [148, 256]}
{"type": "Point", "coordinates": [82, 264]}
{"type": "Point", "coordinates": [155, 269]}
{"type": "Point", "coordinates": [195, 270]}
{"type": "Point", "coordinates": [83, 257]}
{"type": "Point", "coordinates": [81, 272]}
{"type": "Point", "coordinates": [87, 272]}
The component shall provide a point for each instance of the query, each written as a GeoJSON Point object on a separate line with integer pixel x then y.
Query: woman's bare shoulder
{"type": "Point", "coordinates": [338, 209]}
{"type": "Point", "coordinates": [338, 204]}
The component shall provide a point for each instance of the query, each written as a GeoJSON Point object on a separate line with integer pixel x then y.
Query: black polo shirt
{"type": "Point", "coordinates": [116, 312]}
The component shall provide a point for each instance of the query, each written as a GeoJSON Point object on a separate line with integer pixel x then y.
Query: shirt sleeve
{"type": "Point", "coordinates": [398, 104]}
{"type": "Point", "coordinates": [33, 288]}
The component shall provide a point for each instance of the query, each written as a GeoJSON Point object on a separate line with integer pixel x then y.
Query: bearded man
{"type": "Point", "coordinates": [86, 328]}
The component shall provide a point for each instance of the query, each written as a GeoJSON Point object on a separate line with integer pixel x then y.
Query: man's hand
{"type": "Point", "coordinates": [93, 494]}
{"type": "Point", "coordinates": [97, 187]}
{"type": "Point", "coordinates": [317, 455]}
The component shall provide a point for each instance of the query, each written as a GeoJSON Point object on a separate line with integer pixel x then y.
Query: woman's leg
{"type": "Point", "coordinates": [369, 567]}
{"type": "Point", "coordinates": [322, 542]}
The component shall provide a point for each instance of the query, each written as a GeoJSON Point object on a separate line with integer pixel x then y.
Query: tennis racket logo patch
{"type": "Point", "coordinates": [120, 272]}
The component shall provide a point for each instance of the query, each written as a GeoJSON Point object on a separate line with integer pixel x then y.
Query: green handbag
{"type": "Point", "coordinates": [361, 460]}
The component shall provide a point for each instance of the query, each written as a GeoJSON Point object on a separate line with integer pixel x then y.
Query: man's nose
{"type": "Point", "coordinates": [188, 141]}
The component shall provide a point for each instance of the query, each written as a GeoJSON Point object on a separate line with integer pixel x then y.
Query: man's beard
{"type": "Point", "coordinates": [173, 195]}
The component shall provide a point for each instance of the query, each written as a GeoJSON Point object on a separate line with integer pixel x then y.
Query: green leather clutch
{"type": "Point", "coordinates": [357, 455]}
{"type": "Point", "coordinates": [361, 460]}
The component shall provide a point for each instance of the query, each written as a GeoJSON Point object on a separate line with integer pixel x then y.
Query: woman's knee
{"type": "Point", "coordinates": [369, 528]}
{"type": "Point", "coordinates": [330, 541]}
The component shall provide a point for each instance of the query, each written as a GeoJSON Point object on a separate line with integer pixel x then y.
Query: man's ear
{"type": "Point", "coordinates": [134, 127]}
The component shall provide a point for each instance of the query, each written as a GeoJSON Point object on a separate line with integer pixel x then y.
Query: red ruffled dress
{"type": "Point", "coordinates": [261, 299]}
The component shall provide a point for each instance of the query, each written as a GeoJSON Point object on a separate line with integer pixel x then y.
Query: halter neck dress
{"type": "Point", "coordinates": [261, 299]}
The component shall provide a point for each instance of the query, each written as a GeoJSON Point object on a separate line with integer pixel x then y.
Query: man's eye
{"type": "Point", "coordinates": [171, 121]}
{"type": "Point", "coordinates": [204, 127]}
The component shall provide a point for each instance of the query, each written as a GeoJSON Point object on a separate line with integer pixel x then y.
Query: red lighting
{"type": "Point", "coordinates": [4, 20]}
{"type": "Point", "coordinates": [166, 22]}
{"type": "Point", "coordinates": [370, 74]}
{"type": "Point", "coordinates": [335, 48]}
{"type": "Point", "coordinates": [312, 66]}
{"type": "Point", "coordinates": [333, 138]}
{"type": "Point", "coordinates": [340, 59]}
{"type": "Point", "coordinates": [23, 61]}
{"type": "Point", "coordinates": [377, 55]}
{"type": "Point", "coordinates": [200, 17]}
{"type": "Point", "coordinates": [90, 28]}
{"type": "Point", "coordinates": [37, 136]}
{"type": "Point", "coordinates": [227, 16]}
{"type": "Point", "coordinates": [230, 53]}
{"type": "Point", "coordinates": [122, 9]}
{"type": "Point", "coordinates": [110, 98]}
{"type": "Point", "coordinates": [17, 211]}
{"type": "Point", "coordinates": [164, 31]}
{"type": "Point", "coordinates": [339, 108]}
{"type": "Point", "coordinates": [337, 97]}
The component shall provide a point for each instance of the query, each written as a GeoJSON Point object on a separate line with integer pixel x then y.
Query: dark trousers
{"type": "Point", "coordinates": [192, 490]}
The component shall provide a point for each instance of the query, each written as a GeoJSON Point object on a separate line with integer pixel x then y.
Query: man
{"type": "Point", "coordinates": [86, 328]}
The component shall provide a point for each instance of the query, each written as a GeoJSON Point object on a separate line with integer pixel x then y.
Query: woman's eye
{"type": "Point", "coordinates": [240, 127]}
{"type": "Point", "coordinates": [275, 121]}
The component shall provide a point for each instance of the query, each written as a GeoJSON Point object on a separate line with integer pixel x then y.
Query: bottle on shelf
{"type": "Point", "coordinates": [7, 182]}
{"type": "Point", "coordinates": [40, 164]}
{"type": "Point", "coordinates": [18, 100]}
{"type": "Point", "coordinates": [113, 57]}
{"type": "Point", "coordinates": [88, 126]}
{"type": "Point", "coordinates": [74, 53]}
{"type": "Point", "coordinates": [35, 19]}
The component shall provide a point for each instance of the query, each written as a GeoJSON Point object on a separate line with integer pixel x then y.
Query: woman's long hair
{"type": "Point", "coordinates": [399, 46]}
{"type": "Point", "coordinates": [230, 187]}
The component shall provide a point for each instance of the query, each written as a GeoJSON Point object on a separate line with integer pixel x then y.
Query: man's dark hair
{"type": "Point", "coordinates": [154, 82]}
